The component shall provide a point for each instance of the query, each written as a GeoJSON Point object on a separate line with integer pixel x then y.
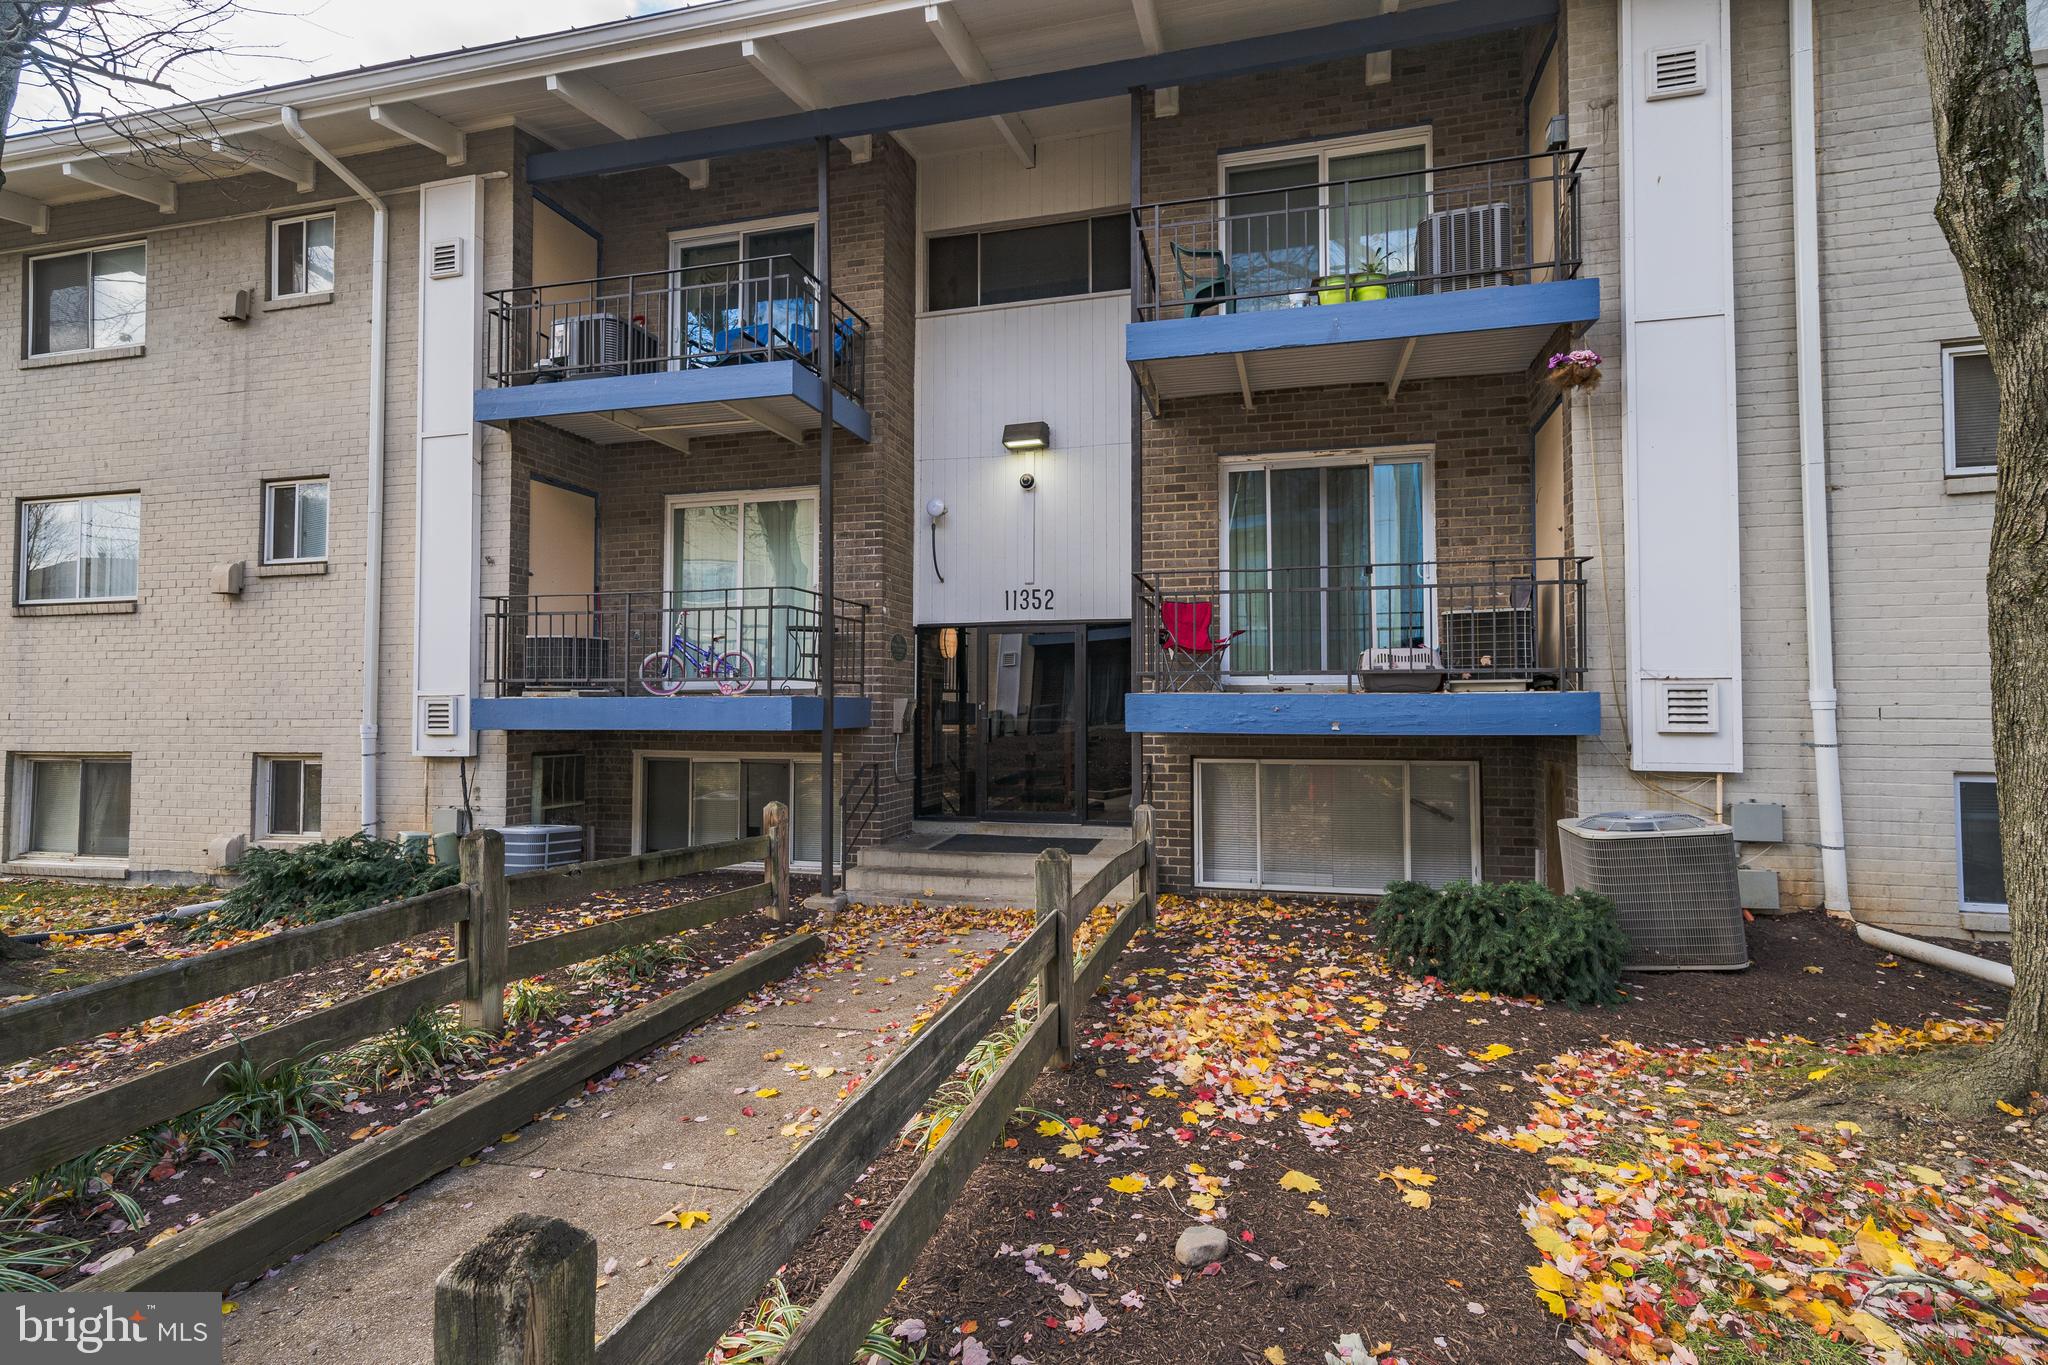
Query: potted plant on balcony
{"type": "Point", "coordinates": [1370, 282]}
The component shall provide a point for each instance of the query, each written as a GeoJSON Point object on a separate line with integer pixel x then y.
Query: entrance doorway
{"type": "Point", "coordinates": [1023, 722]}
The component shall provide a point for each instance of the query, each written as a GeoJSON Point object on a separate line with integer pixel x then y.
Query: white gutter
{"type": "Point", "coordinates": [373, 546]}
{"type": "Point", "coordinates": [1813, 508]}
{"type": "Point", "coordinates": [1813, 467]}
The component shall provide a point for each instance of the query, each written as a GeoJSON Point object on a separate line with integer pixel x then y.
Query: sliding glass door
{"type": "Point", "coordinates": [1313, 213]}
{"type": "Point", "coordinates": [1322, 559]}
{"type": "Point", "coordinates": [743, 569]}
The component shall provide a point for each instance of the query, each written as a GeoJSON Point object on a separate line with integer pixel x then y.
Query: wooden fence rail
{"type": "Point", "coordinates": [682, 1318]}
{"type": "Point", "coordinates": [478, 908]}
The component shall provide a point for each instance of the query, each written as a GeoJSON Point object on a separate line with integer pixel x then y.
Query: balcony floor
{"type": "Point", "coordinates": [1368, 713]}
{"type": "Point", "coordinates": [672, 406]}
{"type": "Point", "coordinates": [772, 713]}
{"type": "Point", "coordinates": [1495, 330]}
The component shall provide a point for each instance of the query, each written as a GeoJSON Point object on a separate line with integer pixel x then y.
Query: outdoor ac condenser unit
{"type": "Point", "coordinates": [1672, 880]}
{"type": "Point", "coordinates": [528, 848]}
{"type": "Point", "coordinates": [1471, 245]}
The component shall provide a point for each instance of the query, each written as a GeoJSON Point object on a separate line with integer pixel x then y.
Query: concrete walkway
{"type": "Point", "coordinates": [666, 1130]}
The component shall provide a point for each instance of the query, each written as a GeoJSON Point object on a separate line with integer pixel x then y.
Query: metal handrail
{"type": "Point", "coordinates": [1519, 620]}
{"type": "Point", "coordinates": [594, 642]}
{"type": "Point", "coordinates": [694, 317]}
{"type": "Point", "coordinates": [1463, 225]}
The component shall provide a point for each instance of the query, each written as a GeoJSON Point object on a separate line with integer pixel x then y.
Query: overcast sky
{"type": "Point", "coordinates": [288, 40]}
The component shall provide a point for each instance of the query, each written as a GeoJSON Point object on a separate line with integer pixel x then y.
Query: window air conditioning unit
{"type": "Point", "coordinates": [437, 718]}
{"type": "Point", "coordinates": [600, 344]}
{"type": "Point", "coordinates": [529, 848]}
{"type": "Point", "coordinates": [1672, 880]}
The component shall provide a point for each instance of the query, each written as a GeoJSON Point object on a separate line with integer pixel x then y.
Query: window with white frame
{"type": "Point", "coordinates": [295, 521]}
{"type": "Point", "coordinates": [1334, 825]}
{"type": "Point", "coordinates": [1325, 556]}
{"type": "Point", "coordinates": [2037, 24]}
{"type": "Point", "coordinates": [72, 807]}
{"type": "Point", "coordinates": [1980, 856]}
{"type": "Point", "coordinates": [1038, 261]}
{"type": "Point", "coordinates": [288, 797]}
{"type": "Point", "coordinates": [685, 800]}
{"type": "Point", "coordinates": [743, 566]}
{"type": "Point", "coordinates": [1319, 214]}
{"type": "Point", "coordinates": [87, 300]}
{"type": "Point", "coordinates": [79, 549]}
{"type": "Point", "coordinates": [1969, 410]}
{"type": "Point", "coordinates": [302, 256]}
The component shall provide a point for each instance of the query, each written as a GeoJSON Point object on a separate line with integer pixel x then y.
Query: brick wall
{"type": "Point", "coordinates": [191, 684]}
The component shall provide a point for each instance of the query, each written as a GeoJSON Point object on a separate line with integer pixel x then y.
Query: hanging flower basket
{"type": "Point", "coordinates": [1575, 370]}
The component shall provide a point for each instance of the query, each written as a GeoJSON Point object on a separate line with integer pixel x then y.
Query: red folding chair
{"type": "Point", "coordinates": [1188, 645]}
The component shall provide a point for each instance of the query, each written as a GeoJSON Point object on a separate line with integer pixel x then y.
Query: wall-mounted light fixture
{"type": "Point", "coordinates": [949, 643]}
{"type": "Point", "coordinates": [933, 510]}
{"type": "Point", "coordinates": [1027, 436]}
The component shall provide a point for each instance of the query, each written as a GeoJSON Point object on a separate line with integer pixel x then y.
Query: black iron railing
{"type": "Point", "coordinates": [1511, 220]}
{"type": "Point", "coordinates": [595, 642]}
{"type": "Point", "coordinates": [1394, 627]}
{"type": "Point", "coordinates": [761, 308]}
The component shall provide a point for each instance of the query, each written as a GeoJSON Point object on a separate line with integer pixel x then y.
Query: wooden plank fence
{"type": "Point", "coordinates": [523, 1292]}
{"type": "Point", "coordinates": [243, 1241]}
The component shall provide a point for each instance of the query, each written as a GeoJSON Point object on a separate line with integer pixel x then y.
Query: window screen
{"type": "Point", "coordinates": [1983, 857]}
{"type": "Point", "coordinates": [1973, 411]}
{"type": "Point", "coordinates": [714, 802]}
{"type": "Point", "coordinates": [1347, 827]}
{"type": "Point", "coordinates": [1229, 799]}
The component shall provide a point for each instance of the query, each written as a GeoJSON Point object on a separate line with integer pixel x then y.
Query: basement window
{"type": "Point", "coordinates": [1320, 826]}
{"type": "Point", "coordinates": [1980, 855]}
{"type": "Point", "coordinates": [288, 797]}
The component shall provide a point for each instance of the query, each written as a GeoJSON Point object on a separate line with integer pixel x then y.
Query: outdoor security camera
{"type": "Point", "coordinates": [1027, 481]}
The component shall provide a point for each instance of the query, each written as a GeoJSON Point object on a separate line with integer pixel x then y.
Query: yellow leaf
{"type": "Point", "coordinates": [1051, 1128]}
{"type": "Point", "coordinates": [1819, 1074]}
{"type": "Point", "coordinates": [1819, 1248]}
{"type": "Point", "coordinates": [1094, 1260]}
{"type": "Point", "coordinates": [1493, 1052]}
{"type": "Point", "coordinates": [1411, 1176]}
{"type": "Point", "coordinates": [1301, 1184]}
{"type": "Point", "coordinates": [938, 1132]}
{"type": "Point", "coordinates": [1318, 1118]}
{"type": "Point", "coordinates": [1812, 971]}
{"type": "Point", "coordinates": [1875, 1331]}
{"type": "Point", "coordinates": [1548, 1277]}
{"type": "Point", "coordinates": [1319, 1208]}
{"type": "Point", "coordinates": [2014, 1110]}
{"type": "Point", "coordinates": [1880, 1250]}
{"type": "Point", "coordinates": [1276, 1356]}
{"type": "Point", "coordinates": [1071, 1149]}
{"type": "Point", "coordinates": [1415, 1199]}
{"type": "Point", "coordinates": [1087, 1130]}
{"type": "Point", "coordinates": [1848, 1129]}
{"type": "Point", "coordinates": [680, 1217]}
{"type": "Point", "coordinates": [1554, 1302]}
{"type": "Point", "coordinates": [228, 1306]}
{"type": "Point", "coordinates": [1926, 1175]}
{"type": "Point", "coordinates": [1127, 1184]}
{"type": "Point", "coordinates": [1399, 1054]}
{"type": "Point", "coordinates": [766, 1092]}
{"type": "Point", "coordinates": [1202, 1201]}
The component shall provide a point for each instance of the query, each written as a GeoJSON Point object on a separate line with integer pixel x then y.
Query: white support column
{"type": "Point", "coordinates": [447, 583]}
{"type": "Point", "coordinates": [1681, 515]}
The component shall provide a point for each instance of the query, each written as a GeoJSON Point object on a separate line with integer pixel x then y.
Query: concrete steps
{"type": "Point", "coordinates": [911, 870]}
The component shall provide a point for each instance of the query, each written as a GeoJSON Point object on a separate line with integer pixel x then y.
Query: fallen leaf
{"type": "Point", "coordinates": [1303, 1184]}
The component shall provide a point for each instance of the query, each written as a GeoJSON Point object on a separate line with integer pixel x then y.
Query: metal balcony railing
{"type": "Point", "coordinates": [760, 308]}
{"type": "Point", "coordinates": [1510, 220]}
{"type": "Point", "coordinates": [1381, 627]}
{"type": "Point", "coordinates": [594, 642]}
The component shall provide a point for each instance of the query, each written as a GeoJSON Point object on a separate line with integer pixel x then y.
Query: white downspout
{"type": "Point", "coordinates": [1813, 467]}
{"type": "Point", "coordinates": [373, 546]}
{"type": "Point", "coordinates": [1813, 507]}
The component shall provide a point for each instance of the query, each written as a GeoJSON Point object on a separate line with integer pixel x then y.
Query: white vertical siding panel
{"type": "Point", "coordinates": [1073, 175]}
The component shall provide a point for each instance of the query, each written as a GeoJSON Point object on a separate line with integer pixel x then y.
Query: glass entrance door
{"type": "Point", "coordinates": [1023, 722]}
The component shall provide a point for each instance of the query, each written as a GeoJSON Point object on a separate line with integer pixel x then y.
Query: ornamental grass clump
{"type": "Point", "coordinates": [1510, 938]}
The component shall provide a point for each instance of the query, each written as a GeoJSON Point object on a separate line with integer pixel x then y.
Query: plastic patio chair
{"type": "Point", "coordinates": [1188, 644]}
{"type": "Point", "coordinates": [1205, 289]}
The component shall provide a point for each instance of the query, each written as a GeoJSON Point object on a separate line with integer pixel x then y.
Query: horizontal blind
{"type": "Point", "coordinates": [1228, 798]}
{"type": "Point", "coordinates": [1973, 401]}
{"type": "Point", "coordinates": [1440, 822]}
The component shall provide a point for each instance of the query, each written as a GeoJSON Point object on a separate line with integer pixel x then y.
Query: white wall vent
{"type": "Point", "coordinates": [1688, 708]}
{"type": "Point", "coordinates": [444, 259]}
{"type": "Point", "coordinates": [1676, 71]}
{"type": "Point", "coordinates": [437, 717]}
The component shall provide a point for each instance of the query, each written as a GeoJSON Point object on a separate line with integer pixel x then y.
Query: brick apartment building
{"type": "Point", "coordinates": [1191, 442]}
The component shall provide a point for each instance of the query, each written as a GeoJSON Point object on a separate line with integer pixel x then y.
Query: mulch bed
{"type": "Point", "coordinates": [1445, 1282]}
{"type": "Point", "coordinates": [189, 1193]}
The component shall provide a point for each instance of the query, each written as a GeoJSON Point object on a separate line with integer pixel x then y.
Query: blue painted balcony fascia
{"type": "Point", "coordinates": [1369, 713]}
{"type": "Point", "coordinates": [1498, 308]}
{"type": "Point", "coordinates": [772, 713]}
{"type": "Point", "coordinates": [756, 380]}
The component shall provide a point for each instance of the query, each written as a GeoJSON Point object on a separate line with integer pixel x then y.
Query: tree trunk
{"type": "Point", "coordinates": [1993, 206]}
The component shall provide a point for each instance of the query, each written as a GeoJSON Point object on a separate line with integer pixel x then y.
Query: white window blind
{"type": "Point", "coordinates": [1972, 411]}
{"type": "Point", "coordinates": [1352, 827]}
{"type": "Point", "coordinates": [1228, 794]}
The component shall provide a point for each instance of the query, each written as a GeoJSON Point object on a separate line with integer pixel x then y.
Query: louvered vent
{"type": "Point", "coordinates": [1676, 71]}
{"type": "Point", "coordinates": [437, 717]}
{"type": "Point", "coordinates": [1688, 708]}
{"type": "Point", "coordinates": [444, 259]}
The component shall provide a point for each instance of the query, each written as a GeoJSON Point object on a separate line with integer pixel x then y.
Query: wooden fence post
{"type": "Point", "coordinates": [775, 820]}
{"type": "Point", "coordinates": [1142, 832]}
{"type": "Point", "coordinates": [1055, 873]}
{"type": "Point", "coordinates": [487, 932]}
{"type": "Point", "coordinates": [525, 1295]}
